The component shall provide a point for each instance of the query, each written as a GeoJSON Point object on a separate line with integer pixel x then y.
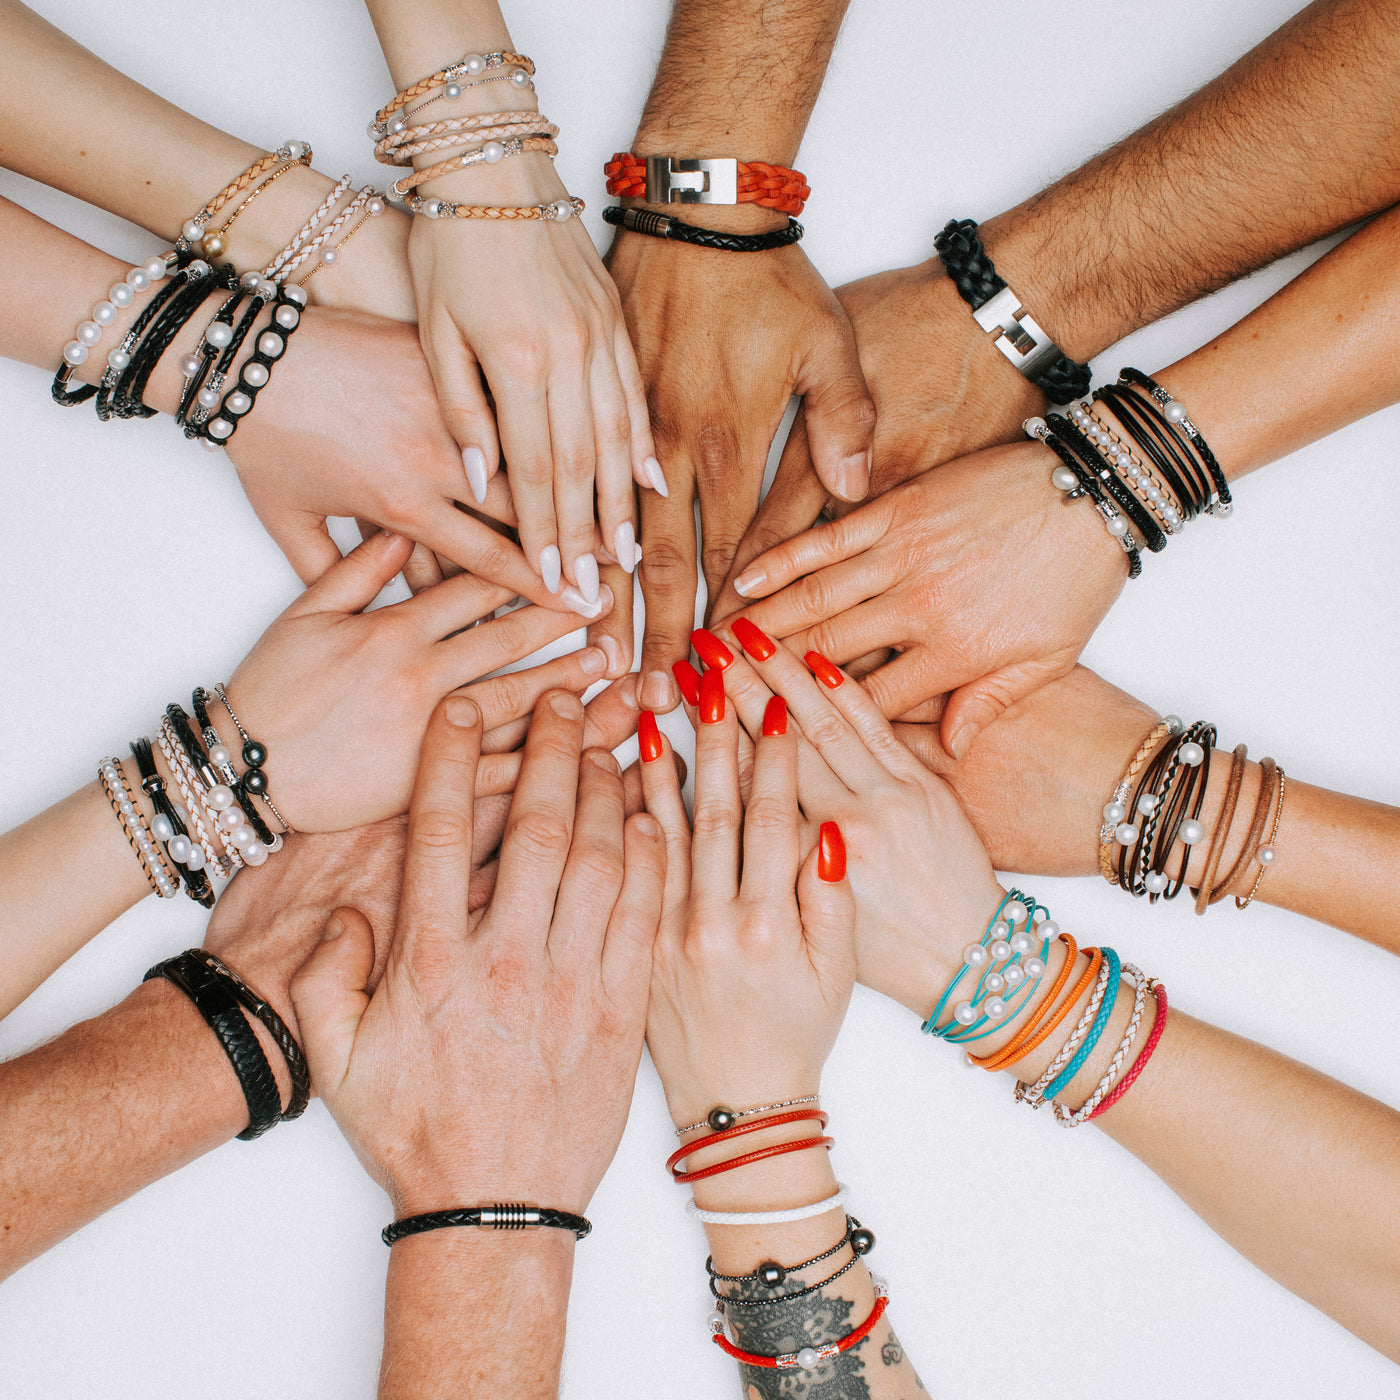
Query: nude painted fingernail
{"type": "Point", "coordinates": [627, 692]}
{"type": "Point", "coordinates": [474, 464]}
{"type": "Point", "coordinates": [617, 661]}
{"type": "Point", "coordinates": [625, 545]}
{"type": "Point", "coordinates": [959, 744]}
{"type": "Point", "coordinates": [593, 661]}
{"type": "Point", "coordinates": [747, 582]}
{"type": "Point", "coordinates": [566, 706]}
{"type": "Point", "coordinates": [575, 600]}
{"type": "Point", "coordinates": [461, 712]}
{"type": "Point", "coordinates": [656, 476]}
{"type": "Point", "coordinates": [637, 557]}
{"type": "Point", "coordinates": [551, 571]}
{"type": "Point", "coordinates": [601, 758]}
{"type": "Point", "coordinates": [853, 477]}
{"type": "Point", "coordinates": [656, 690]}
{"type": "Point", "coordinates": [586, 571]}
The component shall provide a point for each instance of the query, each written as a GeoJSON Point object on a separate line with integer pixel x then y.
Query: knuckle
{"type": "Point", "coordinates": [539, 833]}
{"type": "Point", "coordinates": [717, 556]}
{"type": "Point", "coordinates": [439, 829]}
{"type": "Point", "coordinates": [666, 566]}
{"type": "Point", "coordinates": [767, 814]}
{"type": "Point", "coordinates": [715, 452]}
{"type": "Point", "coordinates": [523, 363]}
{"type": "Point", "coordinates": [571, 337]}
{"type": "Point", "coordinates": [826, 728]}
{"type": "Point", "coordinates": [599, 869]}
{"type": "Point", "coordinates": [716, 818]}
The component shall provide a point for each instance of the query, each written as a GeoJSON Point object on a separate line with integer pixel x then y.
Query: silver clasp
{"type": "Point", "coordinates": [671, 180]}
{"type": "Point", "coordinates": [1017, 335]}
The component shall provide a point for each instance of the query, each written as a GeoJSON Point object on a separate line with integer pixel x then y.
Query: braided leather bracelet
{"type": "Point", "coordinates": [711, 180]}
{"type": "Point", "coordinates": [655, 225]}
{"type": "Point", "coordinates": [500, 1216]}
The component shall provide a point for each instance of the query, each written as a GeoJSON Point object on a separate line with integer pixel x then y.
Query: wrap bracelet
{"type": "Point", "coordinates": [477, 68]}
{"type": "Point", "coordinates": [167, 826]}
{"type": "Point", "coordinates": [501, 1216]}
{"type": "Point", "coordinates": [654, 225]}
{"type": "Point", "coordinates": [773, 1275]}
{"type": "Point", "coordinates": [808, 1358]}
{"type": "Point", "coordinates": [560, 211]}
{"type": "Point", "coordinates": [158, 871]}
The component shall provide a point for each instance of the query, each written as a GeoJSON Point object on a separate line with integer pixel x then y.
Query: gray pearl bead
{"type": "Point", "coordinates": [720, 1119]}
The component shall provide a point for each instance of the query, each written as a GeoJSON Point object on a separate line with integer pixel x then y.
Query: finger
{"type": "Point", "coordinates": [504, 738]}
{"type": "Point", "coordinates": [329, 996]}
{"type": "Point", "coordinates": [593, 873]}
{"type": "Point", "coordinates": [637, 912]}
{"type": "Point", "coordinates": [438, 859]}
{"type": "Point", "coordinates": [771, 851]}
{"type": "Point", "coordinates": [840, 411]}
{"type": "Point", "coordinates": [730, 480]}
{"type": "Point", "coordinates": [572, 437]}
{"type": "Point", "coordinates": [828, 909]}
{"type": "Point", "coordinates": [483, 886]}
{"type": "Point", "coordinates": [455, 603]}
{"type": "Point", "coordinates": [661, 786]}
{"type": "Point", "coordinates": [876, 627]}
{"type": "Point", "coordinates": [611, 715]}
{"type": "Point", "coordinates": [900, 685]}
{"type": "Point", "coordinates": [613, 630]}
{"type": "Point", "coordinates": [972, 707]}
{"type": "Point", "coordinates": [523, 421]}
{"type": "Point", "coordinates": [646, 470]}
{"type": "Point", "coordinates": [814, 549]}
{"type": "Point", "coordinates": [306, 543]}
{"type": "Point", "coordinates": [422, 571]}
{"type": "Point", "coordinates": [354, 582]}
{"type": "Point", "coordinates": [506, 698]}
{"type": "Point", "coordinates": [488, 826]}
{"type": "Point", "coordinates": [718, 816]}
{"type": "Point", "coordinates": [612, 438]}
{"type": "Point", "coordinates": [462, 403]}
{"type": "Point", "coordinates": [668, 579]}
{"type": "Point", "coordinates": [540, 827]}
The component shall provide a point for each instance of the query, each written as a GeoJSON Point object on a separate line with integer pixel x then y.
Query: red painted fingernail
{"type": "Point", "coordinates": [688, 678]}
{"type": "Point", "coordinates": [775, 716]}
{"type": "Point", "coordinates": [754, 641]}
{"type": "Point", "coordinates": [831, 854]}
{"type": "Point", "coordinates": [823, 670]}
{"type": "Point", "coordinates": [712, 697]}
{"type": "Point", "coordinates": [710, 649]}
{"type": "Point", "coordinates": [649, 737]}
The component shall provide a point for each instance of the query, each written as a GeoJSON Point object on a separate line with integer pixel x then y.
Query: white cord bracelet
{"type": "Point", "coordinates": [768, 1217]}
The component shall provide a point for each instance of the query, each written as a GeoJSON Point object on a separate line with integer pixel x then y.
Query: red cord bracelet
{"type": "Point", "coordinates": [809, 1358]}
{"type": "Point", "coordinates": [756, 182]}
{"type": "Point", "coordinates": [800, 1115]}
{"type": "Point", "coordinates": [757, 1155]}
{"type": "Point", "coordinates": [1139, 1064]}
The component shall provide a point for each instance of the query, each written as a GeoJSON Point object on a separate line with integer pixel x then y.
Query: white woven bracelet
{"type": "Point", "coordinates": [307, 229]}
{"type": "Point", "coordinates": [1034, 1094]}
{"type": "Point", "coordinates": [768, 1217]}
{"type": "Point", "coordinates": [345, 215]}
{"type": "Point", "coordinates": [1069, 1119]}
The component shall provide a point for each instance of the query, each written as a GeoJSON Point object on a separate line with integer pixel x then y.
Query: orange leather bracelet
{"type": "Point", "coordinates": [712, 180]}
{"type": "Point", "coordinates": [1017, 1048]}
{"type": "Point", "coordinates": [773, 1120]}
{"type": "Point", "coordinates": [1080, 987]}
{"type": "Point", "coordinates": [757, 1155]}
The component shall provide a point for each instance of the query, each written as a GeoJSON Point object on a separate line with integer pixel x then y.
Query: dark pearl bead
{"type": "Point", "coordinates": [720, 1119]}
{"type": "Point", "coordinates": [770, 1274]}
{"type": "Point", "coordinates": [254, 755]}
{"type": "Point", "coordinates": [862, 1240]}
{"type": "Point", "coordinates": [255, 780]}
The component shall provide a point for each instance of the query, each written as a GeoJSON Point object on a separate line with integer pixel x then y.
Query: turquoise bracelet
{"type": "Point", "coordinates": [1110, 1000]}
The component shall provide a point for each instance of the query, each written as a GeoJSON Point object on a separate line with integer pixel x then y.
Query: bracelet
{"type": "Point", "coordinates": [400, 148]}
{"type": "Point", "coordinates": [1136, 474]}
{"type": "Point", "coordinates": [167, 826]}
{"type": "Point", "coordinates": [297, 152]}
{"type": "Point", "coordinates": [769, 1217]}
{"type": "Point", "coordinates": [759, 1154]}
{"type": "Point", "coordinates": [309, 227]}
{"type": "Point", "coordinates": [480, 68]}
{"type": "Point", "coordinates": [1216, 850]}
{"type": "Point", "coordinates": [216, 337]}
{"type": "Point", "coordinates": [1097, 972]}
{"type": "Point", "coordinates": [1115, 811]}
{"type": "Point", "coordinates": [560, 211]}
{"type": "Point", "coordinates": [1177, 417]}
{"type": "Point", "coordinates": [214, 1000]}
{"type": "Point", "coordinates": [164, 881]}
{"type": "Point", "coordinates": [720, 1119]}
{"type": "Point", "coordinates": [215, 243]}
{"type": "Point", "coordinates": [202, 854]}
{"type": "Point", "coordinates": [712, 180]}
{"type": "Point", "coordinates": [369, 200]}
{"type": "Point", "coordinates": [1107, 1001]}
{"type": "Point", "coordinates": [254, 779]}
{"type": "Point", "coordinates": [492, 153]}
{"type": "Point", "coordinates": [1000, 312]}
{"type": "Point", "coordinates": [654, 225]}
{"type": "Point", "coordinates": [257, 369]}
{"type": "Point", "coordinates": [500, 1216]}
{"type": "Point", "coordinates": [264, 290]}
{"type": "Point", "coordinates": [238, 819]}
{"type": "Point", "coordinates": [1142, 421]}
{"type": "Point", "coordinates": [773, 1275]}
{"type": "Point", "coordinates": [809, 1358]}
{"type": "Point", "coordinates": [776, 1120]}
{"type": "Point", "coordinates": [1032, 1033]}
{"type": "Point", "coordinates": [1072, 1119]}
{"type": "Point", "coordinates": [1140, 1064]}
{"type": "Point", "coordinates": [1266, 853]}
{"type": "Point", "coordinates": [1153, 536]}
{"type": "Point", "coordinates": [1138, 864]}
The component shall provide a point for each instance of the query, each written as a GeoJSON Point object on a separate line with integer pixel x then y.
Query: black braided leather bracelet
{"type": "Point", "coordinates": [1029, 349]}
{"type": "Point", "coordinates": [215, 1001]}
{"type": "Point", "coordinates": [656, 225]}
{"type": "Point", "coordinates": [501, 1216]}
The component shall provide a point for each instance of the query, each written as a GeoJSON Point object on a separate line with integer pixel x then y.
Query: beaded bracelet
{"type": "Point", "coordinates": [492, 153]}
{"type": "Point", "coordinates": [254, 780]}
{"type": "Point", "coordinates": [255, 371]}
{"type": "Point", "coordinates": [1176, 417]}
{"type": "Point", "coordinates": [1149, 531]}
{"type": "Point", "coordinates": [1159, 992]}
{"type": "Point", "coordinates": [208, 398]}
{"type": "Point", "coordinates": [453, 132]}
{"type": "Point", "coordinates": [721, 1118]}
{"type": "Point", "coordinates": [368, 199]}
{"type": "Point", "coordinates": [162, 877]}
{"type": "Point", "coordinates": [514, 68]}
{"type": "Point", "coordinates": [808, 1358]}
{"type": "Point", "coordinates": [167, 827]}
{"type": "Point", "coordinates": [1266, 853]}
{"type": "Point", "coordinates": [1073, 1118]}
{"type": "Point", "coordinates": [215, 243]}
{"type": "Point", "coordinates": [195, 365]}
{"type": "Point", "coordinates": [1098, 971]}
{"type": "Point", "coordinates": [560, 211]}
{"type": "Point", "coordinates": [1142, 422]}
{"type": "Point", "coordinates": [774, 1275]}
{"type": "Point", "coordinates": [238, 819]}
{"type": "Point", "coordinates": [1035, 1031]}
{"type": "Point", "coordinates": [119, 360]}
{"type": "Point", "coordinates": [1114, 810]}
{"type": "Point", "coordinates": [194, 798]}
{"type": "Point", "coordinates": [295, 152]}
{"type": "Point", "coordinates": [1134, 471]}
{"type": "Point", "coordinates": [309, 227]}
{"type": "Point", "coordinates": [769, 1217]}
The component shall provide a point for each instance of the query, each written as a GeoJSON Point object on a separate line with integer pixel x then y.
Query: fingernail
{"type": "Point", "coordinates": [593, 661]}
{"type": "Point", "coordinates": [575, 600]}
{"type": "Point", "coordinates": [586, 571]}
{"type": "Point", "coordinates": [831, 854]}
{"type": "Point", "coordinates": [474, 464]}
{"type": "Point", "coordinates": [461, 712]}
{"type": "Point", "coordinates": [627, 692]}
{"type": "Point", "coordinates": [853, 477]}
{"type": "Point", "coordinates": [962, 741]}
{"type": "Point", "coordinates": [823, 670]}
{"type": "Point", "coordinates": [656, 476]}
{"type": "Point", "coordinates": [637, 556]}
{"type": "Point", "coordinates": [656, 691]}
{"type": "Point", "coordinates": [710, 649]}
{"type": "Point", "coordinates": [386, 537]}
{"type": "Point", "coordinates": [775, 716]}
{"type": "Point", "coordinates": [712, 696]}
{"type": "Point", "coordinates": [625, 545]}
{"type": "Point", "coordinates": [566, 706]}
{"type": "Point", "coordinates": [755, 642]}
{"type": "Point", "coordinates": [748, 582]}
{"type": "Point", "coordinates": [335, 926]}
{"type": "Point", "coordinates": [550, 569]}
{"type": "Point", "coordinates": [649, 737]}
{"type": "Point", "coordinates": [646, 824]}
{"type": "Point", "coordinates": [688, 678]}
{"type": "Point", "coordinates": [601, 758]}
{"type": "Point", "coordinates": [618, 660]}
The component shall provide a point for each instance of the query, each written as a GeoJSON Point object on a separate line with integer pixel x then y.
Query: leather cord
{"type": "Point", "coordinates": [493, 1217]}
{"type": "Point", "coordinates": [656, 225]}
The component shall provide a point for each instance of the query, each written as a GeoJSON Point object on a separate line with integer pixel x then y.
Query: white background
{"type": "Point", "coordinates": [1023, 1261]}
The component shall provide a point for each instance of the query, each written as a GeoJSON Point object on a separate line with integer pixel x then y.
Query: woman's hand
{"type": "Point", "coordinates": [980, 573]}
{"type": "Point", "coordinates": [752, 970]}
{"type": "Point", "coordinates": [341, 697]}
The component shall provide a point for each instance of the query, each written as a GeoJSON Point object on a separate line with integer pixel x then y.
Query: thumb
{"type": "Point", "coordinates": [972, 707]}
{"type": "Point", "coordinates": [308, 546]}
{"type": "Point", "coordinates": [840, 413]}
{"type": "Point", "coordinates": [353, 583]}
{"type": "Point", "coordinates": [329, 998]}
{"type": "Point", "coordinates": [828, 909]}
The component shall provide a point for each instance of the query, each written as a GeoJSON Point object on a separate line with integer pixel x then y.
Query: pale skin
{"type": "Point", "coordinates": [1210, 1110]}
{"type": "Point", "coordinates": [736, 80]}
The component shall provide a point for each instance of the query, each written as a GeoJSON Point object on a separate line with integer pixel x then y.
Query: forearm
{"type": "Point", "coordinates": [470, 1312]}
{"type": "Point", "coordinates": [1272, 155]}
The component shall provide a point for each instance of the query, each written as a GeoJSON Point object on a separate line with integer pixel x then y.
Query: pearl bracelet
{"type": "Point", "coordinates": [369, 199]}
{"type": "Point", "coordinates": [1132, 468]}
{"type": "Point", "coordinates": [257, 369]}
{"type": "Point", "coordinates": [560, 211]}
{"type": "Point", "coordinates": [514, 68]}
{"type": "Point", "coordinates": [201, 854]}
{"type": "Point", "coordinates": [164, 881]}
{"type": "Point", "coordinates": [289, 153]}
{"type": "Point", "coordinates": [491, 153]}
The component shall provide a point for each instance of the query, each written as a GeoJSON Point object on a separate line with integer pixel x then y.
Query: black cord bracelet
{"type": "Point", "coordinates": [180, 723]}
{"type": "Point", "coordinates": [500, 1216]}
{"type": "Point", "coordinates": [655, 225]}
{"type": "Point", "coordinates": [1034, 354]}
{"type": "Point", "coordinates": [153, 785]}
{"type": "Point", "coordinates": [1180, 422]}
{"type": "Point", "coordinates": [1089, 486]}
{"type": "Point", "coordinates": [209, 400]}
{"type": "Point", "coordinates": [1151, 439]}
{"type": "Point", "coordinates": [1150, 532]}
{"type": "Point", "coordinates": [256, 370]}
{"type": "Point", "coordinates": [215, 1001]}
{"type": "Point", "coordinates": [111, 378]}
{"type": "Point", "coordinates": [205, 355]}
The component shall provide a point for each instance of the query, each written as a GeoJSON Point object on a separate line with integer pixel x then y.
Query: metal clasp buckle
{"type": "Point", "coordinates": [1017, 335]}
{"type": "Point", "coordinates": [671, 180]}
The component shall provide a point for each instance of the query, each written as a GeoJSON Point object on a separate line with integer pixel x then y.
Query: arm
{"type": "Point", "coordinates": [725, 339]}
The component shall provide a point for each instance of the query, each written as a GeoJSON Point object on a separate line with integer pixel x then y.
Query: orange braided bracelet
{"type": "Point", "coordinates": [1090, 975]}
{"type": "Point", "coordinates": [477, 67]}
{"type": "Point", "coordinates": [713, 180]}
{"type": "Point", "coordinates": [492, 153]}
{"type": "Point", "coordinates": [1017, 1048]}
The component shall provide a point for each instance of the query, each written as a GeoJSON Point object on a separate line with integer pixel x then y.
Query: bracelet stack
{"type": "Point", "coordinates": [258, 176]}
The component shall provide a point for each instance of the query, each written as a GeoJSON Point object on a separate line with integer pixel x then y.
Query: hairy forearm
{"type": "Point", "coordinates": [1296, 140]}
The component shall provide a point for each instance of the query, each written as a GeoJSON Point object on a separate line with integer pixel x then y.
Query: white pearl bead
{"type": "Point", "coordinates": [250, 281]}
{"type": "Point", "coordinates": [254, 375]}
{"type": "Point", "coordinates": [126, 808]}
{"type": "Point", "coordinates": [287, 317]}
{"type": "Point", "coordinates": [994, 1008]}
{"type": "Point", "coordinates": [1014, 976]}
{"type": "Point", "coordinates": [1102, 439]}
{"type": "Point", "coordinates": [1147, 804]}
{"type": "Point", "coordinates": [493, 153]}
{"type": "Point", "coordinates": [138, 279]}
{"type": "Point", "coordinates": [196, 860]}
{"type": "Point", "coordinates": [329, 255]}
{"type": "Point", "coordinates": [452, 91]}
{"type": "Point", "coordinates": [1191, 754]}
{"type": "Point", "coordinates": [219, 756]}
{"type": "Point", "coordinates": [295, 294]}
{"type": "Point", "coordinates": [1049, 929]}
{"type": "Point", "coordinates": [520, 78]}
{"type": "Point", "coordinates": [210, 446]}
{"type": "Point", "coordinates": [192, 231]}
{"type": "Point", "coordinates": [1000, 929]}
{"type": "Point", "coordinates": [295, 150]}
{"type": "Point", "coordinates": [121, 296]}
{"type": "Point", "coordinates": [1173, 412]}
{"type": "Point", "coordinates": [808, 1359]}
{"type": "Point", "coordinates": [146, 844]}
{"type": "Point", "coordinates": [1035, 967]}
{"type": "Point", "coordinates": [1013, 911]}
{"type": "Point", "coordinates": [994, 982]}
{"type": "Point", "coordinates": [1156, 882]}
{"type": "Point", "coordinates": [1152, 494]}
{"type": "Point", "coordinates": [231, 818]}
{"type": "Point", "coordinates": [1122, 458]}
{"type": "Point", "coordinates": [180, 848]}
{"type": "Point", "coordinates": [1191, 831]}
{"type": "Point", "coordinates": [473, 64]}
{"type": "Point", "coordinates": [238, 402]}
{"type": "Point", "coordinates": [963, 1013]}
{"type": "Point", "coordinates": [1000, 950]}
{"type": "Point", "coordinates": [162, 828]}
{"type": "Point", "coordinates": [975, 955]}
{"type": "Point", "coordinates": [209, 398]}
{"type": "Point", "coordinates": [255, 854]}
{"type": "Point", "coordinates": [155, 268]}
{"type": "Point", "coordinates": [276, 844]}
{"type": "Point", "coordinates": [218, 335]}
{"type": "Point", "coordinates": [244, 837]}
{"type": "Point", "coordinates": [1266, 855]}
{"type": "Point", "coordinates": [104, 313]}
{"type": "Point", "coordinates": [375, 207]}
{"type": "Point", "coordinates": [1126, 834]}
{"type": "Point", "coordinates": [189, 365]}
{"type": "Point", "coordinates": [1062, 479]}
{"type": "Point", "coordinates": [968, 1062]}
{"type": "Point", "coordinates": [395, 126]}
{"type": "Point", "coordinates": [118, 359]}
{"type": "Point", "coordinates": [75, 353]}
{"type": "Point", "coordinates": [1021, 941]}
{"type": "Point", "coordinates": [271, 344]}
{"type": "Point", "coordinates": [220, 797]}
{"type": "Point", "coordinates": [1114, 812]}
{"type": "Point", "coordinates": [431, 208]}
{"type": "Point", "coordinates": [715, 1318]}
{"type": "Point", "coordinates": [563, 209]}
{"type": "Point", "coordinates": [1117, 527]}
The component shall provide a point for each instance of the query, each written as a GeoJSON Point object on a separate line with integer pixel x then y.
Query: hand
{"type": "Point", "coordinates": [923, 886]}
{"type": "Point", "coordinates": [724, 341]}
{"type": "Point", "coordinates": [980, 573]}
{"type": "Point", "coordinates": [341, 697]}
{"type": "Point", "coordinates": [753, 972]}
{"type": "Point", "coordinates": [495, 1059]}
{"type": "Point", "coordinates": [529, 305]}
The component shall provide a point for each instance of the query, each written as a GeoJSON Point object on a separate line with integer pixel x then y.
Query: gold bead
{"type": "Point", "coordinates": [212, 245]}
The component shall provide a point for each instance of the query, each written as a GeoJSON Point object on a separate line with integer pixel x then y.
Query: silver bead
{"type": "Point", "coordinates": [1175, 724]}
{"type": "Point", "coordinates": [197, 269]}
{"type": "Point", "coordinates": [374, 131]}
{"type": "Point", "coordinates": [295, 149]}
